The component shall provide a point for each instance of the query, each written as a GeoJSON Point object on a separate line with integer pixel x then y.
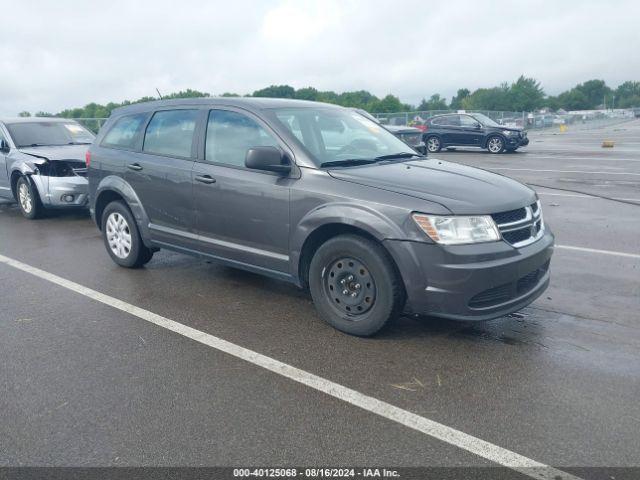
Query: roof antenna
{"type": "Point", "coordinates": [159, 94]}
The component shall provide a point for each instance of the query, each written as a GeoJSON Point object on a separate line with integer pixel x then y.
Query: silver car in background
{"type": "Point", "coordinates": [42, 163]}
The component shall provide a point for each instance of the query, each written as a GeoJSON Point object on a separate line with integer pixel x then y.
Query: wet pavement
{"type": "Point", "coordinates": [559, 382]}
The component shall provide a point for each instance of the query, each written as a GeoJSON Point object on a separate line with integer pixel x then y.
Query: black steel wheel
{"type": "Point", "coordinates": [350, 286]}
{"type": "Point", "coordinates": [355, 285]}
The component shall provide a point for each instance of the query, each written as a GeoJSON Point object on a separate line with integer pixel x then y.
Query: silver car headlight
{"type": "Point", "coordinates": [457, 230]}
{"type": "Point", "coordinates": [508, 132]}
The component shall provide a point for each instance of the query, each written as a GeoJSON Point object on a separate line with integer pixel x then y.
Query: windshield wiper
{"type": "Point", "coordinates": [348, 162]}
{"type": "Point", "coordinates": [79, 143]}
{"type": "Point", "coordinates": [35, 145]}
{"type": "Point", "coordinates": [398, 155]}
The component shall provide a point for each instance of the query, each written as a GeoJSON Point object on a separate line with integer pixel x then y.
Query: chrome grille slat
{"type": "Point", "coordinates": [520, 228]}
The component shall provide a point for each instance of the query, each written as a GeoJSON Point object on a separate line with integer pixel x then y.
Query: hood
{"type": "Point", "coordinates": [461, 189]}
{"type": "Point", "coordinates": [62, 152]}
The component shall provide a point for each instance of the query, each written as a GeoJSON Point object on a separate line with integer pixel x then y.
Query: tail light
{"type": "Point", "coordinates": [87, 158]}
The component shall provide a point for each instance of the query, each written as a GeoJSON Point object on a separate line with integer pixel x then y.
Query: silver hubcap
{"type": "Point", "coordinates": [118, 235]}
{"type": "Point", "coordinates": [433, 144]}
{"type": "Point", "coordinates": [25, 198]}
{"type": "Point", "coordinates": [495, 145]}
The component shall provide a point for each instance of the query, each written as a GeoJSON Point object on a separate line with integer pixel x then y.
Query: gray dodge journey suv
{"type": "Point", "coordinates": [322, 197]}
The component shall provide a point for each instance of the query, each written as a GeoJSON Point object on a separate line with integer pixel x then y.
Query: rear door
{"type": "Point", "coordinates": [449, 126]}
{"type": "Point", "coordinates": [241, 214]}
{"type": "Point", "coordinates": [160, 174]}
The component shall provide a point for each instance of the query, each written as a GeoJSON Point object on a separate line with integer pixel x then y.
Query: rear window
{"type": "Point", "coordinates": [124, 133]}
{"type": "Point", "coordinates": [170, 133]}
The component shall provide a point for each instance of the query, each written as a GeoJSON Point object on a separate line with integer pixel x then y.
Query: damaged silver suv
{"type": "Point", "coordinates": [42, 163]}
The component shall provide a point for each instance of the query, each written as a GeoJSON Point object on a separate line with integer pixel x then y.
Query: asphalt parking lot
{"type": "Point", "coordinates": [102, 380]}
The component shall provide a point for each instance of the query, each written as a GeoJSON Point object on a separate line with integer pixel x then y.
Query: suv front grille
{"type": "Point", "coordinates": [522, 226]}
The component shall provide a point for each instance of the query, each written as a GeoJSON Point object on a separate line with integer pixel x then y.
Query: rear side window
{"type": "Point", "coordinates": [124, 133]}
{"type": "Point", "coordinates": [231, 134]}
{"type": "Point", "coordinates": [170, 133]}
{"type": "Point", "coordinates": [447, 120]}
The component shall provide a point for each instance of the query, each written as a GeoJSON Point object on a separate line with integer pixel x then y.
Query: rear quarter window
{"type": "Point", "coordinates": [125, 132]}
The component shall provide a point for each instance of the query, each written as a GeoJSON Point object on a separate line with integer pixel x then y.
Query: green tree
{"type": "Point", "coordinates": [24, 114]}
{"type": "Point", "coordinates": [456, 101]}
{"type": "Point", "coordinates": [627, 95]}
{"type": "Point", "coordinates": [435, 102]}
{"type": "Point", "coordinates": [388, 104]}
{"type": "Point", "coordinates": [307, 93]}
{"type": "Point", "coordinates": [43, 114]}
{"type": "Point", "coordinates": [525, 94]}
{"type": "Point", "coordinates": [276, 91]}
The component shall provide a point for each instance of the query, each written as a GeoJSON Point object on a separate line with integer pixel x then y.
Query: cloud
{"type": "Point", "coordinates": [56, 55]}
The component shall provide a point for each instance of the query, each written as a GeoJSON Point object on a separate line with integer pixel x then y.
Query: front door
{"type": "Point", "coordinates": [161, 175]}
{"type": "Point", "coordinates": [469, 133]}
{"type": "Point", "coordinates": [242, 215]}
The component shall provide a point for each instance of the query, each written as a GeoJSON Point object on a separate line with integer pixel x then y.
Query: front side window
{"type": "Point", "coordinates": [486, 121]}
{"type": "Point", "coordinates": [43, 133]}
{"type": "Point", "coordinates": [231, 134]}
{"type": "Point", "coordinates": [467, 121]}
{"type": "Point", "coordinates": [124, 133]}
{"type": "Point", "coordinates": [170, 133]}
{"type": "Point", "coordinates": [334, 135]}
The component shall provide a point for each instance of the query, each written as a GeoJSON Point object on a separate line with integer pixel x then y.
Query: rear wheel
{"type": "Point", "coordinates": [354, 285]}
{"type": "Point", "coordinates": [122, 238]}
{"type": "Point", "coordinates": [28, 198]}
{"type": "Point", "coordinates": [495, 144]}
{"type": "Point", "coordinates": [433, 144]}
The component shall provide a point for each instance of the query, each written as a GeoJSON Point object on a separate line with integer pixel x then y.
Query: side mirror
{"type": "Point", "coordinates": [478, 126]}
{"type": "Point", "coordinates": [270, 159]}
{"type": "Point", "coordinates": [4, 146]}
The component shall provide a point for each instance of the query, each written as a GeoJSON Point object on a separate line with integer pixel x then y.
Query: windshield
{"type": "Point", "coordinates": [484, 120]}
{"type": "Point", "coordinates": [336, 136]}
{"type": "Point", "coordinates": [35, 134]}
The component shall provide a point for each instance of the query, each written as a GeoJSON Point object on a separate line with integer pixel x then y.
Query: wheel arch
{"type": "Point", "coordinates": [494, 134]}
{"type": "Point", "coordinates": [114, 188]}
{"type": "Point", "coordinates": [314, 230]}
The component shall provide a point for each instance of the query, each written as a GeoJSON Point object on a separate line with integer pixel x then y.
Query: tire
{"type": "Point", "coordinates": [495, 144]}
{"type": "Point", "coordinates": [355, 286]}
{"type": "Point", "coordinates": [28, 198]}
{"type": "Point", "coordinates": [122, 237]}
{"type": "Point", "coordinates": [434, 145]}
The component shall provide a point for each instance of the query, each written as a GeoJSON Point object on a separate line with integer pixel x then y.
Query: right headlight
{"type": "Point", "coordinates": [457, 230]}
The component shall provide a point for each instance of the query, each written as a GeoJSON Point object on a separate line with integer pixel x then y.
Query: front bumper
{"type": "Point", "coordinates": [515, 141]}
{"type": "Point", "coordinates": [472, 282]}
{"type": "Point", "coordinates": [62, 192]}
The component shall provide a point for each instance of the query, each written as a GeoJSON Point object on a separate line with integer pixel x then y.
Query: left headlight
{"type": "Point", "coordinates": [456, 230]}
{"type": "Point", "coordinates": [508, 132]}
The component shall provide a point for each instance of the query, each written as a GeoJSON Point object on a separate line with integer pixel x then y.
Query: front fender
{"type": "Point", "coordinates": [115, 184]}
{"type": "Point", "coordinates": [361, 217]}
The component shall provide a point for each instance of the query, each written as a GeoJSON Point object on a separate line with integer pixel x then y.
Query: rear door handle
{"type": "Point", "coordinates": [205, 179]}
{"type": "Point", "coordinates": [134, 166]}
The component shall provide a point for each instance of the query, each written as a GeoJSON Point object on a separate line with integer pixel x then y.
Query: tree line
{"type": "Point", "coordinates": [525, 94]}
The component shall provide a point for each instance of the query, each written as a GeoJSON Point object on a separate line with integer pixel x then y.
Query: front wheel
{"type": "Point", "coordinates": [122, 238]}
{"type": "Point", "coordinates": [354, 285]}
{"type": "Point", "coordinates": [28, 198]}
{"type": "Point", "coordinates": [495, 144]}
{"type": "Point", "coordinates": [434, 144]}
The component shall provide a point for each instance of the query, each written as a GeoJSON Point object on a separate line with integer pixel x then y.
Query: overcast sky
{"type": "Point", "coordinates": [62, 54]}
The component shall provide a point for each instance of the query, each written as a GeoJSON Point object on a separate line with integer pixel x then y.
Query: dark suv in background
{"type": "Point", "coordinates": [471, 130]}
{"type": "Point", "coordinates": [322, 197]}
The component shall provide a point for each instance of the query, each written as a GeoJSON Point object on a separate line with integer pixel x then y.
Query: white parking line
{"type": "Point", "coordinates": [601, 252]}
{"type": "Point", "coordinates": [563, 171]}
{"type": "Point", "coordinates": [449, 435]}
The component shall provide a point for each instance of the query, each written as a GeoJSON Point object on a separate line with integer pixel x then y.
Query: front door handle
{"type": "Point", "coordinates": [134, 166]}
{"type": "Point", "coordinates": [205, 179]}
